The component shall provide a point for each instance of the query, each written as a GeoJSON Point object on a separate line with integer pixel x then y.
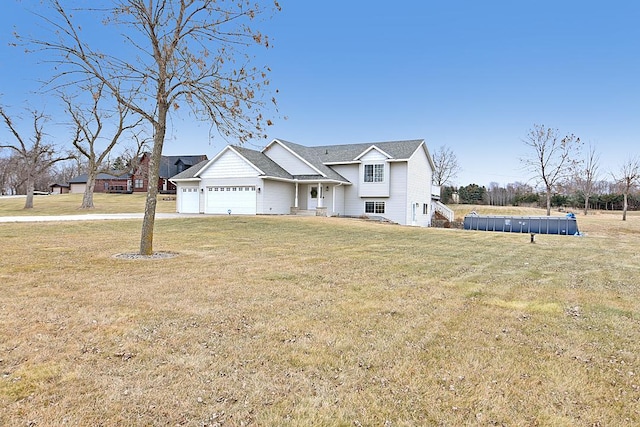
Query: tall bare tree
{"type": "Point", "coordinates": [447, 167]}
{"type": "Point", "coordinates": [35, 156]}
{"type": "Point", "coordinates": [89, 125]}
{"type": "Point", "coordinates": [187, 52]}
{"type": "Point", "coordinates": [586, 175]}
{"type": "Point", "coordinates": [627, 178]}
{"type": "Point", "coordinates": [553, 157]}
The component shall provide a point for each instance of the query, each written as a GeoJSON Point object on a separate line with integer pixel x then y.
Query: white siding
{"type": "Point", "coordinates": [288, 161]}
{"type": "Point", "coordinates": [374, 189]}
{"type": "Point", "coordinates": [338, 197]}
{"type": "Point", "coordinates": [373, 156]}
{"type": "Point", "coordinates": [229, 165]}
{"type": "Point", "coordinates": [352, 205]}
{"type": "Point", "coordinates": [278, 197]}
{"type": "Point", "coordinates": [396, 208]}
{"type": "Point", "coordinates": [395, 204]}
{"type": "Point", "coordinates": [419, 187]}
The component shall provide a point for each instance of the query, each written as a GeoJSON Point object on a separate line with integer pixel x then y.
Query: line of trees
{"type": "Point", "coordinates": [604, 195]}
{"type": "Point", "coordinates": [563, 172]}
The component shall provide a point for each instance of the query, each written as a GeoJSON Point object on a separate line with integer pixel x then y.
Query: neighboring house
{"type": "Point", "coordinates": [391, 180]}
{"type": "Point", "coordinates": [59, 188]}
{"type": "Point", "coordinates": [169, 167]}
{"type": "Point", "coordinates": [113, 182]}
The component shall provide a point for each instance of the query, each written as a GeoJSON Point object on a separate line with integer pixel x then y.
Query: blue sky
{"type": "Point", "coordinates": [472, 75]}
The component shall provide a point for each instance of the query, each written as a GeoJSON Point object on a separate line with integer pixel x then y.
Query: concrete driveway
{"type": "Point", "coordinates": [90, 217]}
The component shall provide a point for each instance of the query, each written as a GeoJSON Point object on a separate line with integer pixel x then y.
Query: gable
{"type": "Point", "coordinates": [228, 164]}
{"type": "Point", "coordinates": [373, 155]}
{"type": "Point", "coordinates": [288, 160]}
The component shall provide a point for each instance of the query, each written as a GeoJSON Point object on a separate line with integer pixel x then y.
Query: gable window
{"type": "Point", "coordinates": [374, 173]}
{"type": "Point", "coordinates": [373, 207]}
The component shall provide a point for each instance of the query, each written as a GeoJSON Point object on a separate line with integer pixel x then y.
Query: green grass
{"type": "Point", "coordinates": [69, 204]}
{"type": "Point", "coordinates": [319, 321]}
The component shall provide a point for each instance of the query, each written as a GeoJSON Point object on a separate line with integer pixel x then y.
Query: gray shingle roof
{"type": "Point", "coordinates": [398, 150]}
{"type": "Point", "coordinates": [262, 162]}
{"type": "Point", "coordinates": [172, 165]}
{"type": "Point", "coordinates": [320, 157]}
{"type": "Point", "coordinates": [81, 179]}
{"type": "Point", "coordinates": [191, 172]}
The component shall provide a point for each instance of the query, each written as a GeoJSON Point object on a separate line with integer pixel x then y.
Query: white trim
{"type": "Point", "coordinates": [302, 159]}
{"type": "Point", "coordinates": [426, 150]}
{"type": "Point", "coordinates": [347, 162]}
{"type": "Point", "coordinates": [228, 147]}
{"type": "Point", "coordinates": [305, 181]}
{"type": "Point", "coordinates": [185, 180]}
{"type": "Point", "coordinates": [373, 147]}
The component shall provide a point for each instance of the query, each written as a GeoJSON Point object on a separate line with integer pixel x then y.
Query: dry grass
{"type": "Point", "coordinates": [69, 204]}
{"type": "Point", "coordinates": [319, 321]}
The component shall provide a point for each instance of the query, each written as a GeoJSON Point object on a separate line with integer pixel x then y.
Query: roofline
{"type": "Point", "coordinates": [349, 162]}
{"type": "Point", "coordinates": [426, 149]}
{"type": "Point", "coordinates": [312, 181]}
{"type": "Point", "coordinates": [294, 153]}
{"type": "Point", "coordinates": [185, 180]}
{"type": "Point", "coordinates": [373, 147]}
{"type": "Point", "coordinates": [228, 147]}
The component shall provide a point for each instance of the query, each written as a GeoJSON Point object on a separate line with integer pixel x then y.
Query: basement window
{"type": "Point", "coordinates": [374, 207]}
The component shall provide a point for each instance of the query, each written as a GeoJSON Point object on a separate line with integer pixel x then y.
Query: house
{"type": "Point", "coordinates": [112, 182]}
{"type": "Point", "coordinates": [389, 180]}
{"type": "Point", "coordinates": [169, 166]}
{"type": "Point", "coordinates": [59, 188]}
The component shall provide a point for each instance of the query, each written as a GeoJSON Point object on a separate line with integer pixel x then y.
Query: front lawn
{"type": "Point", "coordinates": [318, 321]}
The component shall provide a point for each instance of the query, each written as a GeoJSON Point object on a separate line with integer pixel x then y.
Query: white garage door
{"type": "Point", "coordinates": [189, 200]}
{"type": "Point", "coordinates": [237, 199]}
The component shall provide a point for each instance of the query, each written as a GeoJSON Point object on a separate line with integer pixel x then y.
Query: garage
{"type": "Point", "coordinates": [189, 200]}
{"type": "Point", "coordinates": [234, 200]}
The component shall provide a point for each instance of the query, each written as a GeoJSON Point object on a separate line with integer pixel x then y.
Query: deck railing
{"type": "Point", "coordinates": [444, 210]}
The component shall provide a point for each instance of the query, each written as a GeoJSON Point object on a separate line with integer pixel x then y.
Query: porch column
{"type": "Point", "coordinates": [295, 204]}
{"type": "Point", "coordinates": [320, 192]}
{"type": "Point", "coordinates": [333, 199]}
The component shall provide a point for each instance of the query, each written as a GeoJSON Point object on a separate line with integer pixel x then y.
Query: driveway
{"type": "Point", "coordinates": [90, 217]}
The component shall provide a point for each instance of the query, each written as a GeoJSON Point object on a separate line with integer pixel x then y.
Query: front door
{"type": "Point", "coordinates": [312, 197]}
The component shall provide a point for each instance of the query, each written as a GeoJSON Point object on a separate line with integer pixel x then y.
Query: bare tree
{"type": "Point", "coordinates": [88, 129]}
{"type": "Point", "coordinates": [553, 157]}
{"type": "Point", "coordinates": [447, 167]}
{"type": "Point", "coordinates": [34, 155]}
{"type": "Point", "coordinates": [627, 178]}
{"type": "Point", "coordinates": [587, 175]}
{"type": "Point", "coordinates": [192, 52]}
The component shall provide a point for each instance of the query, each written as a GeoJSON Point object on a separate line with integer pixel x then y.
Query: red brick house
{"type": "Point", "coordinates": [169, 167]}
{"type": "Point", "coordinates": [112, 182]}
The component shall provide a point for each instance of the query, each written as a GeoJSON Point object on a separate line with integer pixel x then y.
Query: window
{"type": "Point", "coordinates": [425, 209]}
{"type": "Point", "coordinates": [374, 173]}
{"type": "Point", "coordinates": [139, 183]}
{"type": "Point", "coordinates": [374, 207]}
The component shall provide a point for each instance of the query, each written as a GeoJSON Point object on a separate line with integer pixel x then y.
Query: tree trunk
{"type": "Point", "coordinates": [87, 198]}
{"type": "Point", "coordinates": [586, 204]}
{"type": "Point", "coordinates": [548, 202]}
{"type": "Point", "coordinates": [624, 208]}
{"type": "Point", "coordinates": [28, 204]}
{"type": "Point", "coordinates": [146, 238]}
